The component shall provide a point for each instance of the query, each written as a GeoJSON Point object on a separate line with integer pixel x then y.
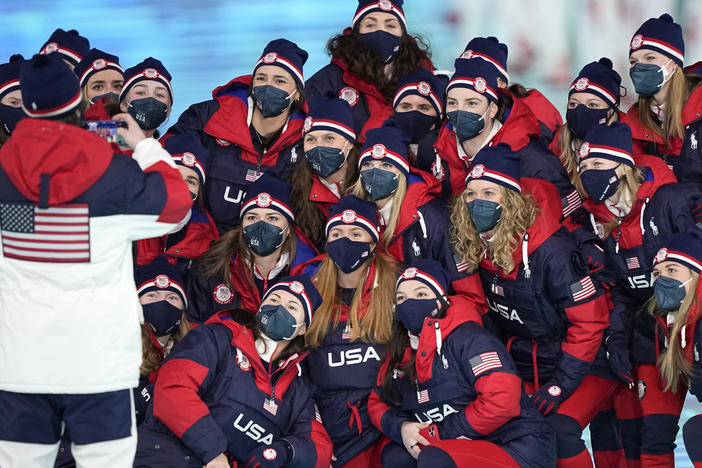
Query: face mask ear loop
{"type": "Point", "coordinates": [666, 74]}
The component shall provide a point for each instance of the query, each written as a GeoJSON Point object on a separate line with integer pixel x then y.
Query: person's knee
{"type": "Point", "coordinates": [394, 454]}
{"type": "Point", "coordinates": [568, 435]}
{"type": "Point", "coordinates": [692, 435]}
{"type": "Point", "coordinates": [432, 457]}
{"type": "Point", "coordinates": [658, 435]}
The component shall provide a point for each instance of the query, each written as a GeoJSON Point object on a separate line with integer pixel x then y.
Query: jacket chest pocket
{"type": "Point", "coordinates": [513, 304]}
{"type": "Point", "coordinates": [434, 401]}
{"type": "Point", "coordinates": [633, 267]}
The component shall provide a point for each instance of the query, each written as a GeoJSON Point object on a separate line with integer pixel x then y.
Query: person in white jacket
{"type": "Point", "coordinates": [70, 318]}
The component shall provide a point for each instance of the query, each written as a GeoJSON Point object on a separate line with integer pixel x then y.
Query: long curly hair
{"type": "Point", "coordinates": [518, 214]}
{"type": "Point", "coordinates": [414, 54]}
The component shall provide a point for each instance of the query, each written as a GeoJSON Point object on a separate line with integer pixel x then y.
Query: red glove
{"type": "Point", "coordinates": [431, 433]}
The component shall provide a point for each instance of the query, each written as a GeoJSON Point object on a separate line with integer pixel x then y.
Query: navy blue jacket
{"type": "Point", "coordinates": [214, 392]}
{"type": "Point", "coordinates": [661, 209]}
{"type": "Point", "coordinates": [423, 225]}
{"type": "Point", "coordinates": [234, 161]}
{"type": "Point", "coordinates": [549, 307]}
{"type": "Point", "coordinates": [344, 373]}
{"type": "Point", "coordinates": [468, 385]}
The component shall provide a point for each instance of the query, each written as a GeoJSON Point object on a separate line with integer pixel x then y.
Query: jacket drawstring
{"type": "Point", "coordinates": [355, 417]}
{"type": "Point", "coordinates": [533, 364]}
{"type": "Point", "coordinates": [641, 218]}
{"type": "Point", "coordinates": [422, 224]}
{"type": "Point", "coordinates": [525, 256]}
{"type": "Point", "coordinates": [437, 333]}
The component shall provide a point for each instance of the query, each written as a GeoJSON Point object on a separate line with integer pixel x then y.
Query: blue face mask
{"type": "Point", "coordinates": [384, 44]}
{"type": "Point", "coordinates": [581, 118]}
{"type": "Point", "coordinates": [325, 160]}
{"type": "Point", "coordinates": [484, 213]}
{"type": "Point", "coordinates": [162, 316]}
{"type": "Point", "coordinates": [277, 323]}
{"type": "Point", "coordinates": [379, 183]}
{"type": "Point", "coordinates": [669, 293]}
{"type": "Point", "coordinates": [467, 125]}
{"type": "Point", "coordinates": [148, 112]}
{"type": "Point", "coordinates": [10, 117]}
{"type": "Point", "coordinates": [348, 255]}
{"type": "Point", "coordinates": [413, 312]}
{"type": "Point", "coordinates": [600, 184]}
{"type": "Point", "coordinates": [415, 124]}
{"type": "Point", "coordinates": [647, 78]}
{"type": "Point", "coordinates": [263, 238]}
{"type": "Point", "coordinates": [269, 100]}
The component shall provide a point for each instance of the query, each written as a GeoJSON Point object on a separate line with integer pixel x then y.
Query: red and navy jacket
{"type": "Point", "coordinates": [207, 296]}
{"type": "Point", "coordinates": [321, 196]}
{"type": "Point", "coordinates": [683, 156]}
{"type": "Point", "coordinates": [182, 246]}
{"type": "Point", "coordinates": [368, 105]}
{"type": "Point", "coordinates": [548, 311]}
{"type": "Point", "coordinates": [466, 384]}
{"type": "Point", "coordinates": [217, 396]}
{"type": "Point", "coordinates": [344, 373]}
{"type": "Point", "coordinates": [423, 225]}
{"type": "Point", "coordinates": [661, 208]}
{"type": "Point", "coordinates": [438, 154]}
{"type": "Point", "coordinates": [549, 118]}
{"type": "Point", "coordinates": [223, 126]}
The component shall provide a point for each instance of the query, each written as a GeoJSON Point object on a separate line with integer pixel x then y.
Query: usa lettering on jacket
{"type": "Point", "coordinates": [436, 414]}
{"type": "Point", "coordinates": [352, 356]}
{"type": "Point", "coordinates": [641, 281]}
{"type": "Point", "coordinates": [239, 196]}
{"type": "Point", "coordinates": [504, 311]}
{"type": "Point", "coordinates": [253, 430]}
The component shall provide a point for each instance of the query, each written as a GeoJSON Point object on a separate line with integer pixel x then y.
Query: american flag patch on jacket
{"type": "Point", "coordinates": [484, 362]}
{"type": "Point", "coordinates": [270, 405]}
{"type": "Point", "coordinates": [632, 263]}
{"type": "Point", "coordinates": [252, 176]}
{"type": "Point", "coordinates": [422, 396]}
{"type": "Point", "coordinates": [57, 234]}
{"type": "Point", "coordinates": [582, 289]}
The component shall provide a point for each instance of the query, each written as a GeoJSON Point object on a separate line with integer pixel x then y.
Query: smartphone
{"type": "Point", "coordinates": [106, 129]}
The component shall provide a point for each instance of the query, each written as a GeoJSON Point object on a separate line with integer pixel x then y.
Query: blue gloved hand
{"type": "Point", "coordinates": [619, 358]}
{"type": "Point", "coordinates": [276, 455]}
{"type": "Point", "coordinates": [548, 398]}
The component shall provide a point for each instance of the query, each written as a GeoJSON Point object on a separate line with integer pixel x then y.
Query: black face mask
{"type": "Point", "coordinates": [414, 123]}
{"type": "Point", "coordinates": [348, 255]}
{"type": "Point", "coordinates": [10, 117]}
{"type": "Point", "coordinates": [413, 312]}
{"type": "Point", "coordinates": [600, 184]}
{"type": "Point", "coordinates": [581, 118]}
{"type": "Point", "coordinates": [148, 112]}
{"type": "Point", "coordinates": [263, 237]}
{"type": "Point", "coordinates": [277, 323]}
{"type": "Point", "coordinates": [386, 45]}
{"type": "Point", "coordinates": [162, 316]}
{"type": "Point", "coordinates": [114, 97]}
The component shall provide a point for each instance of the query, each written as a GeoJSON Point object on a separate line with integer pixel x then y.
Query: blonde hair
{"type": "Point", "coordinates": [376, 324]}
{"type": "Point", "coordinates": [571, 157]}
{"type": "Point", "coordinates": [672, 125]}
{"type": "Point", "coordinates": [397, 198]}
{"type": "Point", "coordinates": [150, 356]}
{"type": "Point", "coordinates": [518, 214]}
{"type": "Point", "coordinates": [673, 364]}
{"type": "Point", "coordinates": [630, 182]}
